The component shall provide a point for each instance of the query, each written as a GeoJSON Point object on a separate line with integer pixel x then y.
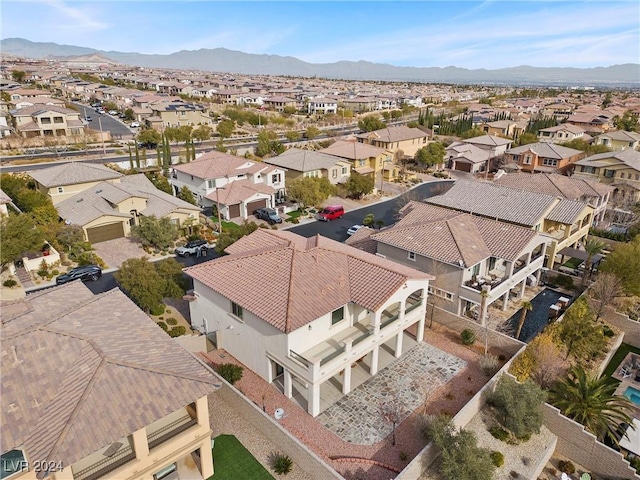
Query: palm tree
{"type": "Point", "coordinates": [591, 402]}
{"type": "Point", "coordinates": [592, 247]}
{"type": "Point", "coordinates": [526, 307]}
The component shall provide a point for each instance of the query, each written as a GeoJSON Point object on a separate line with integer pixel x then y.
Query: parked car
{"type": "Point", "coordinates": [192, 248]}
{"type": "Point", "coordinates": [135, 124]}
{"type": "Point", "coordinates": [354, 229]}
{"type": "Point", "coordinates": [330, 212]}
{"type": "Point", "coordinates": [268, 214]}
{"type": "Point", "coordinates": [85, 272]}
{"type": "Point", "coordinates": [113, 112]}
{"type": "Point", "coordinates": [88, 118]}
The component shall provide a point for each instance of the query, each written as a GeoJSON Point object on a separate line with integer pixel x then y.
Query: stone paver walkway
{"type": "Point", "coordinates": [407, 381]}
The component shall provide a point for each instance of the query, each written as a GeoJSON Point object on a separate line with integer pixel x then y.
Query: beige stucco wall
{"type": "Point", "coordinates": [68, 191]}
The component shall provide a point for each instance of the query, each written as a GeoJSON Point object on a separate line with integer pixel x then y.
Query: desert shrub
{"type": "Point", "coordinates": [43, 270]}
{"type": "Point", "coordinates": [468, 337]}
{"type": "Point", "coordinates": [567, 467]}
{"type": "Point", "coordinates": [55, 272]}
{"type": "Point", "coordinates": [163, 326]}
{"type": "Point", "coordinates": [230, 372]}
{"type": "Point", "coordinates": [497, 458]}
{"type": "Point", "coordinates": [157, 309]}
{"type": "Point", "coordinates": [607, 331]}
{"type": "Point", "coordinates": [177, 331]}
{"type": "Point", "coordinates": [172, 321]}
{"type": "Point", "coordinates": [281, 463]}
{"type": "Point", "coordinates": [564, 281]}
{"type": "Point", "coordinates": [403, 456]}
{"type": "Point", "coordinates": [500, 433]}
{"type": "Point", "coordinates": [489, 364]}
{"type": "Point", "coordinates": [10, 282]}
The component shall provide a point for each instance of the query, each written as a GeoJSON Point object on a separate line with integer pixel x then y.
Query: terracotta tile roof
{"type": "Point", "coordinates": [489, 140]}
{"type": "Point", "coordinates": [394, 134]}
{"type": "Point", "coordinates": [302, 278]}
{"type": "Point", "coordinates": [566, 211]}
{"type": "Point", "coordinates": [73, 173]}
{"type": "Point", "coordinates": [217, 164]}
{"type": "Point", "coordinates": [493, 201]}
{"type": "Point", "coordinates": [453, 237]}
{"type": "Point", "coordinates": [80, 371]}
{"type": "Point", "coordinates": [353, 150]}
{"type": "Point", "coordinates": [304, 160]}
{"type": "Point", "coordinates": [630, 158]}
{"type": "Point", "coordinates": [546, 150]}
{"type": "Point", "coordinates": [239, 191]}
{"type": "Point", "coordinates": [362, 240]}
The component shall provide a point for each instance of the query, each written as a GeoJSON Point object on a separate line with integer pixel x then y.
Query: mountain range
{"type": "Point", "coordinates": [223, 60]}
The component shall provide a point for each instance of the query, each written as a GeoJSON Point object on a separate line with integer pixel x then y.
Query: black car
{"type": "Point", "coordinates": [268, 214]}
{"type": "Point", "coordinates": [86, 272]}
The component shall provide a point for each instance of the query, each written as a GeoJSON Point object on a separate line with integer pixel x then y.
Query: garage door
{"type": "Point", "coordinates": [253, 206]}
{"type": "Point", "coordinates": [234, 211]}
{"type": "Point", "coordinates": [105, 232]}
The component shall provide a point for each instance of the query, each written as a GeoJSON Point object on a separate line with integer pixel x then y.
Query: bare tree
{"type": "Point", "coordinates": [391, 412]}
{"type": "Point", "coordinates": [604, 290]}
{"type": "Point", "coordinates": [549, 364]}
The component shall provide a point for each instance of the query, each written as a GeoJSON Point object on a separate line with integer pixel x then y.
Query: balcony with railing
{"type": "Point", "coordinates": [100, 464]}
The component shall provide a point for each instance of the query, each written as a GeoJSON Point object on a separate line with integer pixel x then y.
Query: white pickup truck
{"type": "Point", "coordinates": [193, 247]}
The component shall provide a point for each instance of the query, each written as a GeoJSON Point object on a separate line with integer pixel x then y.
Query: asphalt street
{"type": "Point", "coordinates": [108, 123]}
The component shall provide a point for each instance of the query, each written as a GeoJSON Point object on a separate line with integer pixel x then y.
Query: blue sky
{"type": "Point", "coordinates": [469, 34]}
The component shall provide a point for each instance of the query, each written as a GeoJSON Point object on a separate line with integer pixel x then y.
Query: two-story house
{"type": "Point", "coordinates": [365, 159]}
{"type": "Point", "coordinates": [176, 114]}
{"type": "Point", "coordinates": [619, 140]}
{"type": "Point", "coordinates": [504, 128]}
{"type": "Point", "coordinates": [467, 254]}
{"type": "Point", "coordinates": [237, 186]}
{"type": "Point", "coordinates": [589, 192]}
{"type": "Point", "coordinates": [496, 146]}
{"type": "Point", "coordinates": [565, 132]}
{"type": "Point", "coordinates": [108, 210]}
{"type": "Point", "coordinates": [466, 157]}
{"type": "Point", "coordinates": [322, 106]}
{"type": "Point", "coordinates": [403, 139]}
{"type": "Point", "coordinates": [565, 222]}
{"type": "Point", "coordinates": [47, 121]}
{"type": "Point", "coordinates": [60, 182]}
{"type": "Point", "coordinates": [92, 388]}
{"type": "Point", "coordinates": [544, 157]}
{"type": "Point", "coordinates": [308, 163]}
{"type": "Point", "coordinates": [620, 169]}
{"type": "Point", "coordinates": [304, 310]}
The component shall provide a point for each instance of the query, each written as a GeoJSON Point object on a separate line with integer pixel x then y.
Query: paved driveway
{"type": "Point", "coordinates": [116, 251]}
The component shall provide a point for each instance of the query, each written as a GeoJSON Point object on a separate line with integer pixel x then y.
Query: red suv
{"type": "Point", "coordinates": [330, 212]}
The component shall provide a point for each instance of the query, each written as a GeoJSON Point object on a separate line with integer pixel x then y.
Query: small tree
{"type": "Point", "coordinates": [69, 235]}
{"type": "Point", "coordinates": [149, 137]}
{"type": "Point", "coordinates": [624, 262]}
{"type": "Point", "coordinates": [391, 412]}
{"type": "Point", "coordinates": [141, 281]}
{"type": "Point", "coordinates": [368, 220]}
{"type": "Point", "coordinates": [156, 232]}
{"type": "Point", "coordinates": [310, 191]}
{"type": "Point", "coordinates": [312, 132]}
{"type": "Point", "coordinates": [231, 372]}
{"type": "Point", "coordinates": [359, 185]}
{"type": "Point", "coordinates": [202, 133]}
{"type": "Point", "coordinates": [518, 406]}
{"type": "Point", "coordinates": [431, 155]}
{"type": "Point", "coordinates": [160, 182]}
{"type": "Point", "coordinates": [225, 128]}
{"type": "Point", "coordinates": [227, 237]}
{"type": "Point", "coordinates": [292, 136]}
{"type": "Point", "coordinates": [371, 123]}
{"type": "Point", "coordinates": [604, 291]}
{"type": "Point", "coordinates": [19, 235]}
{"type": "Point", "coordinates": [186, 195]}
{"type": "Point", "coordinates": [582, 337]}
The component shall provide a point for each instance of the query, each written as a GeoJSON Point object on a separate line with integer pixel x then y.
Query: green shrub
{"type": "Point", "coordinates": [567, 467]}
{"type": "Point", "coordinates": [172, 321]}
{"type": "Point", "coordinates": [497, 458]}
{"type": "Point", "coordinates": [498, 432]}
{"type": "Point", "coordinates": [177, 331]}
{"type": "Point", "coordinates": [607, 332]}
{"type": "Point", "coordinates": [281, 463]}
{"type": "Point", "coordinates": [564, 281]}
{"type": "Point", "coordinates": [468, 337]}
{"type": "Point", "coordinates": [163, 326]}
{"type": "Point", "coordinates": [157, 310]}
{"type": "Point", "coordinates": [9, 283]}
{"type": "Point", "coordinates": [489, 364]}
{"type": "Point", "coordinates": [230, 372]}
{"type": "Point", "coordinates": [55, 272]}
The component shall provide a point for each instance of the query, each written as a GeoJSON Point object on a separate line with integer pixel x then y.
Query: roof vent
{"type": "Point", "coordinates": [80, 200]}
{"type": "Point", "coordinates": [99, 191]}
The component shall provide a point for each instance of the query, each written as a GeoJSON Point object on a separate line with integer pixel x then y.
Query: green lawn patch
{"type": "Point", "coordinates": [231, 461]}
{"type": "Point", "coordinates": [295, 214]}
{"type": "Point", "coordinates": [616, 360]}
{"type": "Point", "coordinates": [229, 226]}
{"type": "Point", "coordinates": [572, 263]}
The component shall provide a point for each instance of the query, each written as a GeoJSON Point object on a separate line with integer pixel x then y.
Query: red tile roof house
{"type": "Point", "coordinates": [544, 157]}
{"type": "Point", "coordinates": [93, 388]}
{"type": "Point", "coordinates": [306, 309]}
{"type": "Point", "coordinates": [466, 253]}
{"type": "Point", "coordinates": [239, 186]}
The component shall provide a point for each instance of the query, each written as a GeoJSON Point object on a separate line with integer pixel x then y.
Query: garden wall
{"type": "Point", "coordinates": [631, 328]}
{"type": "Point", "coordinates": [303, 457]}
{"type": "Point", "coordinates": [583, 447]}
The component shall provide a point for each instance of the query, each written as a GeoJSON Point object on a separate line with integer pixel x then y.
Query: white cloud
{"type": "Point", "coordinates": [74, 17]}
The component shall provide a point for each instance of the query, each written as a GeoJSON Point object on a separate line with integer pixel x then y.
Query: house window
{"type": "Point", "coordinates": [589, 169]}
{"type": "Point", "coordinates": [550, 162]}
{"type": "Point", "coordinates": [58, 120]}
{"type": "Point", "coordinates": [211, 183]}
{"type": "Point", "coordinates": [337, 315]}
{"type": "Point", "coordinates": [362, 163]}
{"type": "Point", "coordinates": [236, 310]}
{"type": "Point", "coordinates": [527, 159]}
{"type": "Point", "coordinates": [609, 173]}
{"type": "Point", "coordinates": [344, 170]}
{"type": "Point", "coordinates": [334, 173]}
{"type": "Point", "coordinates": [45, 120]}
{"type": "Point", "coordinates": [476, 269]}
{"type": "Point", "coordinates": [275, 178]}
{"type": "Point", "coordinates": [60, 189]}
{"type": "Point", "coordinates": [411, 256]}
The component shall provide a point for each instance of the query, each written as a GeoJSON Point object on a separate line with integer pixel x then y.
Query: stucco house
{"type": "Point", "coordinates": [467, 254]}
{"type": "Point", "coordinates": [619, 140]}
{"type": "Point", "coordinates": [301, 311]}
{"type": "Point", "coordinates": [562, 133]}
{"type": "Point", "coordinates": [115, 396]}
{"type": "Point", "coordinates": [544, 157]}
{"type": "Point", "coordinates": [620, 169]}
{"type": "Point", "coordinates": [408, 140]}
{"type": "Point", "coordinates": [466, 157]}
{"type": "Point", "coordinates": [66, 180]}
{"type": "Point", "coordinates": [308, 163]}
{"type": "Point", "coordinates": [236, 185]}
{"type": "Point", "coordinates": [365, 159]}
{"type": "Point", "coordinates": [322, 106]}
{"type": "Point", "coordinates": [47, 121]}
{"type": "Point", "coordinates": [565, 222]}
{"type": "Point", "coordinates": [589, 192]}
{"type": "Point", "coordinates": [108, 210]}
